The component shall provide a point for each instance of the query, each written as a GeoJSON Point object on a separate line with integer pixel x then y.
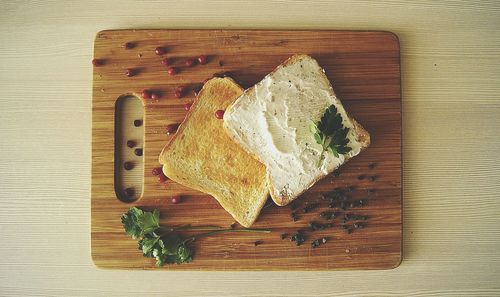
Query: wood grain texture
{"type": "Point", "coordinates": [450, 68]}
{"type": "Point", "coordinates": [364, 69]}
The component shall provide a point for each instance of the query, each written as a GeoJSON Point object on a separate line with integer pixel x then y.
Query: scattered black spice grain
{"type": "Point", "coordinates": [316, 243]}
{"type": "Point", "coordinates": [373, 178]}
{"type": "Point", "coordinates": [221, 63]}
{"type": "Point", "coordinates": [313, 226]}
{"type": "Point", "coordinates": [283, 235]}
{"type": "Point", "coordinates": [258, 242]}
{"type": "Point", "coordinates": [359, 225]}
{"type": "Point", "coordinates": [336, 173]}
{"type": "Point", "coordinates": [327, 215]}
{"type": "Point", "coordinates": [138, 152]}
{"type": "Point", "coordinates": [138, 123]}
{"type": "Point", "coordinates": [372, 165]}
{"type": "Point", "coordinates": [351, 189]}
{"type": "Point", "coordinates": [359, 203]}
{"type": "Point", "coordinates": [337, 192]}
{"type": "Point", "coordinates": [347, 228]}
{"type": "Point", "coordinates": [361, 177]}
{"type": "Point", "coordinates": [298, 238]}
{"type": "Point", "coordinates": [309, 207]}
{"type": "Point", "coordinates": [294, 216]}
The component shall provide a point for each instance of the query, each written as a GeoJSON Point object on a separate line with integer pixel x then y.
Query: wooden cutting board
{"type": "Point", "coordinates": [364, 68]}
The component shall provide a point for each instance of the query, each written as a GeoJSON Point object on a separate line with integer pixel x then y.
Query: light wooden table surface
{"type": "Point", "coordinates": [451, 117]}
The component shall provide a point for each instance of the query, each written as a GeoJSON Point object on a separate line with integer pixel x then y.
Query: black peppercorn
{"type": "Point", "coordinates": [314, 226]}
{"type": "Point", "coordinates": [361, 177]}
{"type": "Point", "coordinates": [258, 242]}
{"type": "Point", "coordinates": [328, 215]}
{"type": "Point", "coordinates": [309, 207]}
{"type": "Point", "coordinates": [358, 225]}
{"type": "Point", "coordinates": [298, 238]}
{"type": "Point", "coordinates": [294, 217]}
{"type": "Point", "coordinates": [138, 152]}
{"type": "Point", "coordinates": [138, 123]}
{"type": "Point", "coordinates": [283, 236]}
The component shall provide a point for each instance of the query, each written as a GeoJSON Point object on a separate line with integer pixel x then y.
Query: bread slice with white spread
{"type": "Point", "coordinates": [272, 121]}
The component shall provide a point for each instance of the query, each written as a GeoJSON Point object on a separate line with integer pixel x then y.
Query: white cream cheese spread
{"type": "Point", "coordinates": [272, 121]}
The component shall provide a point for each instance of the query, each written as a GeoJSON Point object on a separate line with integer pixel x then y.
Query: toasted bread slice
{"type": "Point", "coordinates": [273, 119]}
{"type": "Point", "coordinates": [203, 157]}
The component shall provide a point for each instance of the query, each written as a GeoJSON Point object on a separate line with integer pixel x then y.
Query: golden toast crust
{"type": "Point", "coordinates": [203, 157]}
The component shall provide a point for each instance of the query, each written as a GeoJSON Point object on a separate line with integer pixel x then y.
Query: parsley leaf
{"type": "Point", "coordinates": [149, 222]}
{"type": "Point", "coordinates": [130, 221]}
{"type": "Point", "coordinates": [167, 246]}
{"type": "Point", "coordinates": [331, 134]}
{"type": "Point", "coordinates": [148, 245]}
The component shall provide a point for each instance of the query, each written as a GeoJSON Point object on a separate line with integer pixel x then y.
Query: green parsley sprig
{"type": "Point", "coordinates": [331, 134]}
{"type": "Point", "coordinates": [166, 245]}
